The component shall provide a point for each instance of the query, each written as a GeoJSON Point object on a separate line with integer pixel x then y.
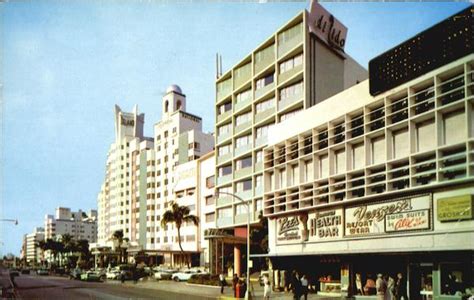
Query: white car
{"type": "Point", "coordinates": [163, 274]}
{"type": "Point", "coordinates": [185, 275]}
{"type": "Point", "coordinates": [112, 274]}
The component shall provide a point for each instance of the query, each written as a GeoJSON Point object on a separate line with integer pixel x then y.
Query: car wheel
{"type": "Point", "coordinates": [176, 279]}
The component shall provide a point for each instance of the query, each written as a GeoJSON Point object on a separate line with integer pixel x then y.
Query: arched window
{"type": "Point", "coordinates": [178, 105]}
{"type": "Point", "coordinates": [166, 106]}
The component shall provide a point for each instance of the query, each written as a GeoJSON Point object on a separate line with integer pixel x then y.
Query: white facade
{"type": "Point", "coordinates": [79, 225]}
{"type": "Point", "coordinates": [33, 253]}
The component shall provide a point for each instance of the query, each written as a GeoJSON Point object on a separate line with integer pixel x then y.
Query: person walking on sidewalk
{"type": "Point", "coordinates": [266, 288]}
{"type": "Point", "coordinates": [235, 281]}
{"type": "Point", "coordinates": [222, 282]}
{"type": "Point", "coordinates": [295, 285]}
{"type": "Point", "coordinates": [304, 287]}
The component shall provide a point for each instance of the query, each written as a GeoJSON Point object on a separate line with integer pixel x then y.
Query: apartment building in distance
{"type": "Point", "coordinates": [139, 182]}
{"type": "Point", "coordinates": [300, 65]}
{"type": "Point", "coordinates": [80, 225]}
{"type": "Point", "coordinates": [378, 179]}
{"type": "Point", "coordinates": [33, 254]}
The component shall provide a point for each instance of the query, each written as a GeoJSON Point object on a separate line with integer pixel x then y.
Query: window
{"type": "Point", "coordinates": [210, 182]}
{"type": "Point", "coordinates": [243, 163]}
{"type": "Point", "coordinates": [258, 181]}
{"type": "Point", "coordinates": [262, 82]}
{"type": "Point", "coordinates": [226, 170]}
{"type": "Point", "coordinates": [263, 131]}
{"type": "Point", "coordinates": [245, 185]}
{"type": "Point", "coordinates": [210, 200]}
{"type": "Point", "coordinates": [258, 205]}
{"type": "Point", "coordinates": [340, 156]}
{"type": "Point", "coordinates": [291, 91]}
{"type": "Point", "coordinates": [223, 150]}
{"type": "Point", "coordinates": [224, 129]}
{"type": "Point", "coordinates": [289, 115]}
{"type": "Point", "coordinates": [425, 133]}
{"type": "Point", "coordinates": [166, 133]}
{"type": "Point", "coordinates": [246, 95]}
{"type": "Point", "coordinates": [224, 212]}
{"type": "Point", "coordinates": [258, 156]}
{"type": "Point", "coordinates": [223, 108]}
{"type": "Point", "coordinates": [454, 127]}
{"type": "Point", "coordinates": [291, 63]}
{"type": "Point", "coordinates": [323, 166]}
{"type": "Point", "coordinates": [295, 175]}
{"type": "Point", "coordinates": [225, 190]}
{"type": "Point", "coordinates": [242, 119]}
{"type": "Point", "coordinates": [210, 217]}
{"type": "Point", "coordinates": [242, 141]}
{"type": "Point", "coordinates": [264, 105]}
{"type": "Point", "coordinates": [192, 207]}
{"type": "Point", "coordinates": [308, 171]}
{"type": "Point", "coordinates": [358, 157]}
{"type": "Point", "coordinates": [194, 145]}
{"type": "Point", "coordinates": [241, 209]}
{"type": "Point", "coordinates": [174, 129]}
{"type": "Point", "coordinates": [378, 150]}
{"type": "Point", "coordinates": [401, 144]}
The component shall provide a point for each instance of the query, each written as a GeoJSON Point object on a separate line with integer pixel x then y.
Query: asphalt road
{"type": "Point", "coordinates": [49, 287]}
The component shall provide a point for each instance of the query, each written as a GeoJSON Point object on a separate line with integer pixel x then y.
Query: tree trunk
{"type": "Point", "coordinates": [179, 243]}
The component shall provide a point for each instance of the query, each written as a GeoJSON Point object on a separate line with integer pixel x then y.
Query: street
{"type": "Point", "coordinates": [49, 287]}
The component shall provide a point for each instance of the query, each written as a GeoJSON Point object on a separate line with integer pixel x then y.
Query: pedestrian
{"type": "Point", "coordinates": [135, 276]}
{"type": "Point", "coordinates": [304, 287]}
{"type": "Point", "coordinates": [390, 294]}
{"type": "Point", "coordinates": [295, 285]}
{"type": "Point", "coordinates": [401, 288]}
{"type": "Point", "coordinates": [266, 288]}
{"type": "Point", "coordinates": [222, 282]}
{"type": "Point", "coordinates": [122, 276]}
{"type": "Point", "coordinates": [381, 287]}
{"type": "Point", "coordinates": [235, 281]}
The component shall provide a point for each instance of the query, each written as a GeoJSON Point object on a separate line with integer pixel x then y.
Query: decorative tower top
{"type": "Point", "coordinates": [173, 100]}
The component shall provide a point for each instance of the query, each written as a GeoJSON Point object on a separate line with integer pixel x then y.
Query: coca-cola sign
{"type": "Point", "coordinates": [326, 27]}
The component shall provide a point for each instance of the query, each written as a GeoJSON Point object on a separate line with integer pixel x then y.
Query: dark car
{"type": "Point", "coordinates": [75, 274]}
{"type": "Point", "coordinates": [25, 271]}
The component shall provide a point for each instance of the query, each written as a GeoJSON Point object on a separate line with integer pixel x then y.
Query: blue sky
{"type": "Point", "coordinates": [66, 63]}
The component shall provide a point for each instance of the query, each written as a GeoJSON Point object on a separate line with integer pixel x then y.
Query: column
{"type": "Point", "coordinates": [237, 259]}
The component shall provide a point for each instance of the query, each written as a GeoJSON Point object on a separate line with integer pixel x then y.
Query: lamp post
{"type": "Point", "coordinates": [247, 292]}
{"type": "Point", "coordinates": [10, 220]}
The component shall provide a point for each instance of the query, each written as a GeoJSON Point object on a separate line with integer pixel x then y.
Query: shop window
{"type": "Point", "coordinates": [455, 279]}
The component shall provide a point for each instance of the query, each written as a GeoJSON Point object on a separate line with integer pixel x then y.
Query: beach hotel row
{"type": "Point", "coordinates": [356, 177]}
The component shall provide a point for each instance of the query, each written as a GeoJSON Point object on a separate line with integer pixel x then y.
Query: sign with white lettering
{"type": "Point", "coordinates": [408, 221]}
{"type": "Point", "coordinates": [291, 230]}
{"type": "Point", "coordinates": [371, 219]}
{"type": "Point", "coordinates": [327, 28]}
{"type": "Point", "coordinates": [325, 225]}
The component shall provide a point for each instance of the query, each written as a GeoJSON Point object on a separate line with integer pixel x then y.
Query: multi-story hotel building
{"type": "Point", "coordinates": [140, 180]}
{"type": "Point", "coordinates": [33, 253]}
{"type": "Point", "coordinates": [378, 179]}
{"type": "Point", "coordinates": [79, 225]}
{"type": "Point", "coordinates": [298, 66]}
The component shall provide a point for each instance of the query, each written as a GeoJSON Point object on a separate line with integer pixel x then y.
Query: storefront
{"type": "Point", "coordinates": [422, 245]}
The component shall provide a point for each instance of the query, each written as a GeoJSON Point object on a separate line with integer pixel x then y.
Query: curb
{"type": "Point", "coordinates": [204, 285]}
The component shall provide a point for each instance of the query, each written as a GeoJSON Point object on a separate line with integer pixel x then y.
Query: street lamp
{"type": "Point", "coordinates": [10, 220]}
{"type": "Point", "coordinates": [247, 292]}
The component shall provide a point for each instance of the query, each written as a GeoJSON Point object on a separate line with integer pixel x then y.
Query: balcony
{"type": "Point", "coordinates": [242, 104]}
{"type": "Point", "coordinates": [284, 47]}
{"type": "Point", "coordinates": [263, 91]}
{"type": "Point", "coordinates": [224, 158]}
{"type": "Point", "coordinates": [224, 179]}
{"type": "Point", "coordinates": [242, 75]}
{"type": "Point", "coordinates": [242, 218]}
{"type": "Point", "coordinates": [288, 74]}
{"type": "Point", "coordinates": [223, 137]}
{"type": "Point", "coordinates": [264, 115]}
{"type": "Point", "coordinates": [224, 200]}
{"type": "Point", "coordinates": [261, 141]}
{"type": "Point", "coordinates": [265, 58]}
{"type": "Point", "coordinates": [258, 167]}
{"type": "Point", "coordinates": [224, 89]}
{"type": "Point", "coordinates": [224, 116]}
{"type": "Point", "coordinates": [224, 221]}
{"type": "Point", "coordinates": [242, 127]}
{"type": "Point", "coordinates": [244, 195]}
{"type": "Point", "coordinates": [243, 149]}
{"type": "Point", "coordinates": [258, 191]}
{"type": "Point", "coordinates": [282, 104]}
{"type": "Point", "coordinates": [243, 172]}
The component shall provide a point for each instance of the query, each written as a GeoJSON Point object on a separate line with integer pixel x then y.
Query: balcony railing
{"type": "Point", "coordinates": [242, 149]}
{"type": "Point", "coordinates": [224, 179]}
{"type": "Point", "coordinates": [262, 91]}
{"type": "Point", "coordinates": [224, 116]}
{"type": "Point", "coordinates": [282, 104]}
{"type": "Point", "coordinates": [282, 77]}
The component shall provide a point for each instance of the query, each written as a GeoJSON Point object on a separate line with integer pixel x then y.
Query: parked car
{"type": "Point", "coordinates": [184, 275]}
{"type": "Point", "coordinates": [163, 274]}
{"type": "Point", "coordinates": [112, 274]}
{"type": "Point", "coordinates": [75, 274]}
{"type": "Point", "coordinates": [91, 276]}
{"type": "Point", "coordinates": [42, 272]}
{"type": "Point", "coordinates": [25, 271]}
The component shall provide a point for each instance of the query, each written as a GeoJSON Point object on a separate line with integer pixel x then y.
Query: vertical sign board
{"type": "Point", "coordinates": [389, 217]}
{"type": "Point", "coordinates": [327, 28]}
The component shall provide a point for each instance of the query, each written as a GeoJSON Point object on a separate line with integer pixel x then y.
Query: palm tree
{"type": "Point", "coordinates": [118, 236]}
{"type": "Point", "coordinates": [178, 215]}
{"type": "Point", "coordinates": [67, 243]}
{"type": "Point", "coordinates": [43, 246]}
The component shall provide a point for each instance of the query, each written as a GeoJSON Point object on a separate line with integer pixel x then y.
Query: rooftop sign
{"type": "Point", "coordinates": [327, 28]}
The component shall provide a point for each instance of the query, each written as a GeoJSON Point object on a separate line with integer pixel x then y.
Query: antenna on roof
{"type": "Point", "coordinates": [218, 65]}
